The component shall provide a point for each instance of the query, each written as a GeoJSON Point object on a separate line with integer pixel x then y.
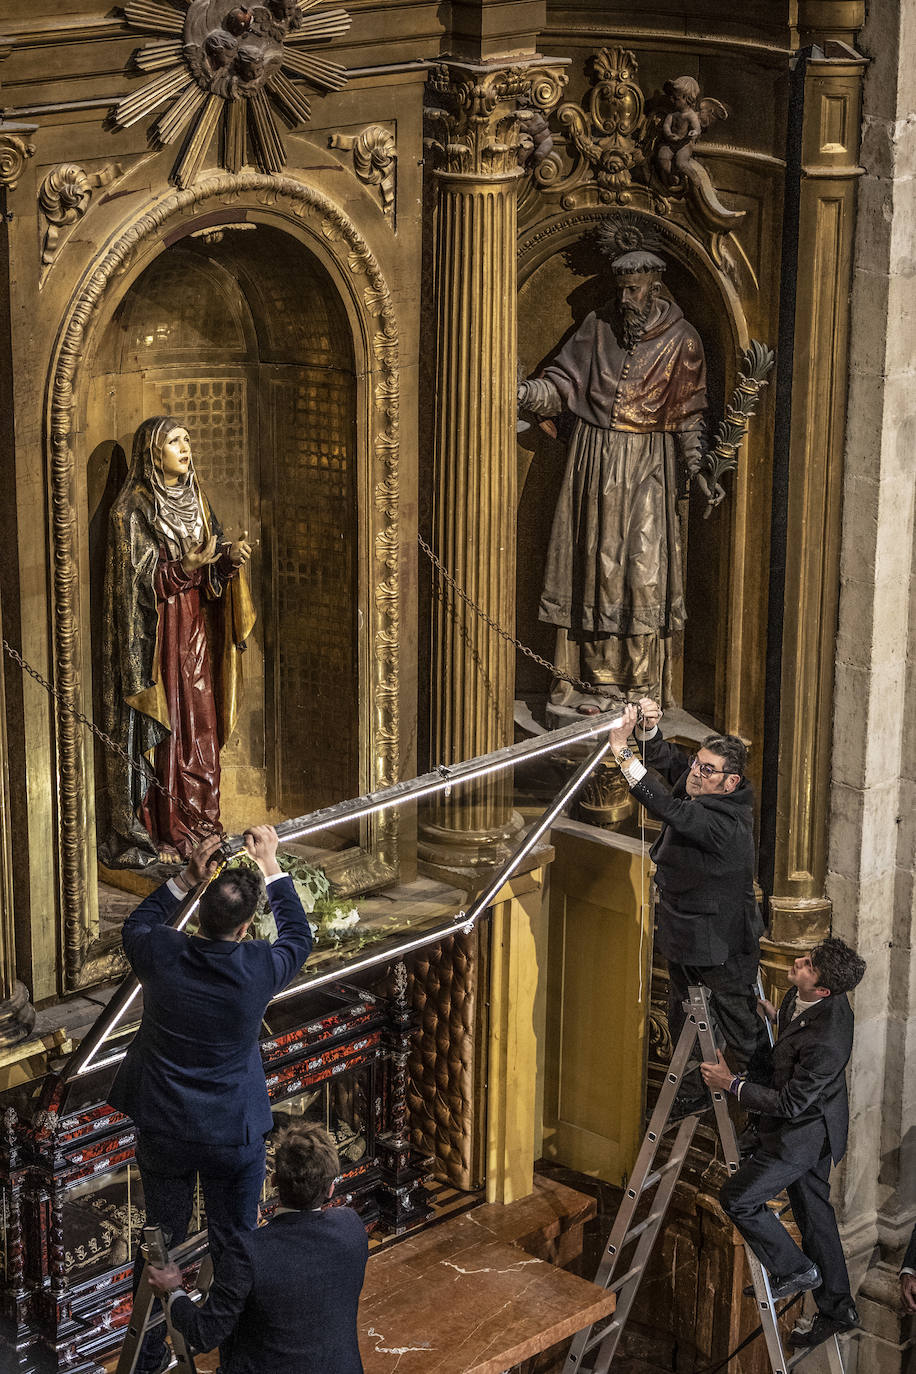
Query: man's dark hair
{"type": "Point", "coordinates": [731, 749]}
{"type": "Point", "coordinates": [306, 1164]}
{"type": "Point", "coordinates": [230, 900]}
{"type": "Point", "coordinates": [838, 968]}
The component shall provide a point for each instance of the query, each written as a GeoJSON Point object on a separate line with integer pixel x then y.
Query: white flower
{"type": "Point", "coordinates": [341, 920]}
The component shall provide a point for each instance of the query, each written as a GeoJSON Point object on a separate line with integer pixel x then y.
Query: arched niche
{"type": "Point", "coordinates": [281, 296]}
{"type": "Point", "coordinates": [562, 277]}
{"type": "Point", "coordinates": [242, 336]}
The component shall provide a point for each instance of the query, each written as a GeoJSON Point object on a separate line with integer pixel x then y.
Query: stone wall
{"type": "Point", "coordinates": [873, 800]}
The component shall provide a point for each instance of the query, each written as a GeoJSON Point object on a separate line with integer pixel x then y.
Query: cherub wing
{"type": "Point", "coordinates": [709, 110]}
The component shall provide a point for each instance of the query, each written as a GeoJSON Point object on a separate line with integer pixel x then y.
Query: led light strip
{"type": "Point", "coordinates": [427, 785]}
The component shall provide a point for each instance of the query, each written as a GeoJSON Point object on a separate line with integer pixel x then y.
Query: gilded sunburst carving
{"type": "Point", "coordinates": [226, 69]}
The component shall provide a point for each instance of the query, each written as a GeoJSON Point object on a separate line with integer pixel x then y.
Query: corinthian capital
{"type": "Point", "coordinates": [480, 111]}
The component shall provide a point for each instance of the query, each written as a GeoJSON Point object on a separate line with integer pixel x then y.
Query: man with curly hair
{"type": "Point", "coordinates": [803, 1126]}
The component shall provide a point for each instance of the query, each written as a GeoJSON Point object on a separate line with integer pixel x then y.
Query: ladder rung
{"type": "Point", "coordinates": [598, 1336]}
{"type": "Point", "coordinates": [628, 1277]}
{"type": "Point", "coordinates": [651, 1179]}
{"type": "Point", "coordinates": [642, 1226]}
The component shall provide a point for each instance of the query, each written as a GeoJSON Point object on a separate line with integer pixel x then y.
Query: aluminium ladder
{"type": "Point", "coordinates": [155, 1251]}
{"type": "Point", "coordinates": [600, 1341]}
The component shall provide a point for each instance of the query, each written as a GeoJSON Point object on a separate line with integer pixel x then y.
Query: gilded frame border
{"type": "Point", "coordinates": [303, 206]}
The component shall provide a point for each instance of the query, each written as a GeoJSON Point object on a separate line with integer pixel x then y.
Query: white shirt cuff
{"type": "Point", "coordinates": [634, 772]}
{"type": "Point", "coordinates": [274, 878]}
{"type": "Point", "coordinates": [645, 734]}
{"type": "Point", "coordinates": [175, 890]}
{"type": "Point", "coordinates": [908, 1271]}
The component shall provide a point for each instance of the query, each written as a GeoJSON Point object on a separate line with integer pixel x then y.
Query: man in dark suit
{"type": "Point", "coordinates": [708, 920]}
{"type": "Point", "coordinates": [908, 1276]}
{"type": "Point", "coordinates": [804, 1120]}
{"type": "Point", "coordinates": [192, 1080]}
{"type": "Point", "coordinates": [285, 1297]}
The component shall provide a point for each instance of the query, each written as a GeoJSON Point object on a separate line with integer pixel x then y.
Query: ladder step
{"type": "Point", "coordinates": [628, 1277]}
{"type": "Point", "coordinates": [598, 1336]}
{"type": "Point", "coordinates": [651, 1179]}
{"type": "Point", "coordinates": [635, 1231]}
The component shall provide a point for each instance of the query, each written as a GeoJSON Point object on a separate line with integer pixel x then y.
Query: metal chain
{"type": "Point", "coordinates": [588, 687]}
{"type": "Point", "coordinates": [190, 811]}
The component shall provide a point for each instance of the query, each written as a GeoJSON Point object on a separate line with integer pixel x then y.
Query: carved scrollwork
{"type": "Point", "coordinates": [604, 131]}
{"type": "Point", "coordinates": [15, 151]}
{"type": "Point", "coordinates": [289, 199]}
{"type": "Point", "coordinates": [482, 114]}
{"type": "Point", "coordinates": [64, 197]}
{"type": "Point", "coordinates": [619, 149]}
{"type": "Point", "coordinates": [375, 156]}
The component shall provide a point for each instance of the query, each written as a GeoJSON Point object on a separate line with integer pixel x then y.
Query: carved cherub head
{"type": "Point", "coordinates": [684, 91]}
{"type": "Point", "coordinates": [239, 21]}
{"type": "Point", "coordinates": [219, 49]}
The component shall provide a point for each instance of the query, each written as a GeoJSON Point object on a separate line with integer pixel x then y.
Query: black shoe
{"type": "Point", "coordinates": [822, 1328]}
{"type": "Point", "coordinates": [688, 1104]}
{"type": "Point", "coordinates": [783, 1286]}
{"type": "Point", "coordinates": [165, 1361]}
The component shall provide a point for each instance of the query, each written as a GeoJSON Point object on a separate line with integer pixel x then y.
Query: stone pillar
{"type": "Point", "coordinates": [872, 850]}
{"type": "Point", "coordinates": [476, 118]}
{"type": "Point", "coordinates": [824, 178]}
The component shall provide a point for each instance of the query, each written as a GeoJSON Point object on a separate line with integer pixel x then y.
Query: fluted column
{"type": "Point", "coordinates": [17, 1016]}
{"type": "Point", "coordinates": [477, 117]}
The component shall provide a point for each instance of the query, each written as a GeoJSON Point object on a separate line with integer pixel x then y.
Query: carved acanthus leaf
{"type": "Point", "coordinates": [481, 113]}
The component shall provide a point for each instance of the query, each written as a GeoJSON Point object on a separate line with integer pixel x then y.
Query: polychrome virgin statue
{"type": "Point", "coordinates": [177, 614]}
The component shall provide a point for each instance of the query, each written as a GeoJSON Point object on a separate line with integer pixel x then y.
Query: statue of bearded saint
{"type": "Point", "coordinates": [634, 377]}
{"type": "Point", "coordinates": [177, 614]}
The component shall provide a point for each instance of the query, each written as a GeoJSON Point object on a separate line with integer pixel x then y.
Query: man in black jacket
{"type": "Point", "coordinates": [708, 920]}
{"type": "Point", "coordinates": [804, 1120]}
{"type": "Point", "coordinates": [908, 1276]}
{"type": "Point", "coordinates": [285, 1297]}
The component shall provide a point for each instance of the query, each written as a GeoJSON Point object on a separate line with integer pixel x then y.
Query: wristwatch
{"type": "Point", "coordinates": [625, 753]}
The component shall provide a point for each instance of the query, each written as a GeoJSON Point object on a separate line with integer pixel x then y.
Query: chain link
{"type": "Point", "coordinates": [201, 821]}
{"type": "Point", "coordinates": [588, 687]}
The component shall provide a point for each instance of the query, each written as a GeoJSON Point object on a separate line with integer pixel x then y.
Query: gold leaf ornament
{"type": "Point", "coordinates": [237, 73]}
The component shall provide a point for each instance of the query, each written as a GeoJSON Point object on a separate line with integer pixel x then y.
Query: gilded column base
{"type": "Point", "coordinates": [17, 1017]}
{"type": "Point", "coordinates": [463, 853]}
{"type": "Point", "coordinates": [797, 924]}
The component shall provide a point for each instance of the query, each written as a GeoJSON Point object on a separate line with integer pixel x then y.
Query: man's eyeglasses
{"type": "Point", "coordinates": [705, 770]}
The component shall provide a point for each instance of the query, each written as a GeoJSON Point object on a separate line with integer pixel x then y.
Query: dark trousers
{"type": "Point", "coordinates": [744, 1198]}
{"type": "Point", "coordinates": [231, 1178]}
{"type": "Point", "coordinates": [733, 1005]}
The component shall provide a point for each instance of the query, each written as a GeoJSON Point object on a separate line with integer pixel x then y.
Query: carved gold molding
{"type": "Point", "coordinates": [63, 198]}
{"type": "Point", "coordinates": [297, 204]}
{"type": "Point", "coordinates": [224, 66]}
{"type": "Point", "coordinates": [375, 156]}
{"type": "Point", "coordinates": [615, 148]}
{"type": "Point", "coordinates": [15, 151]}
{"type": "Point", "coordinates": [482, 112]}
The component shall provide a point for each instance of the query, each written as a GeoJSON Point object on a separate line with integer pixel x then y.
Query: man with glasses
{"type": "Point", "coordinates": [708, 920]}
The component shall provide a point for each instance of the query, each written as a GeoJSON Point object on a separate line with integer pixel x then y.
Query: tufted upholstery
{"type": "Point", "coordinates": [446, 1063]}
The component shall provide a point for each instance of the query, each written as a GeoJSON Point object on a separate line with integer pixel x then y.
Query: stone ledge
{"type": "Point", "coordinates": [472, 1297]}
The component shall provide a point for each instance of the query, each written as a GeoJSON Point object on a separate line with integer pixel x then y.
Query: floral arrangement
{"type": "Point", "coordinates": [329, 917]}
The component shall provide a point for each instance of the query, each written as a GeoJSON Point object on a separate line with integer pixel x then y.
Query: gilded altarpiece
{"type": "Point", "coordinates": [266, 300]}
